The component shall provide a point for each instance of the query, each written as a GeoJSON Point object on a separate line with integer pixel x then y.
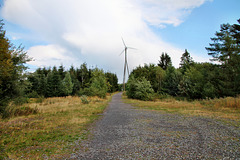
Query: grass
{"type": "Point", "coordinates": [227, 109]}
{"type": "Point", "coordinates": [51, 132]}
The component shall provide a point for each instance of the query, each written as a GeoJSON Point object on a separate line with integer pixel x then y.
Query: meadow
{"type": "Point", "coordinates": [51, 131]}
{"type": "Point", "coordinates": [224, 109]}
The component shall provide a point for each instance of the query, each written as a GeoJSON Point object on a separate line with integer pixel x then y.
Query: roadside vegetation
{"type": "Point", "coordinates": [192, 80]}
{"type": "Point", "coordinates": [225, 109]}
{"type": "Point", "coordinates": [50, 131]}
{"type": "Point", "coordinates": [193, 89]}
{"type": "Point", "coordinates": [43, 113]}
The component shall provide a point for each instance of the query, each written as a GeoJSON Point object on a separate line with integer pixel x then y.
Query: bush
{"type": "Point", "coordinates": [40, 99]}
{"type": "Point", "coordinates": [33, 94]}
{"type": "Point", "coordinates": [21, 100]}
{"type": "Point", "coordinates": [84, 99]}
{"type": "Point", "coordinates": [139, 89]}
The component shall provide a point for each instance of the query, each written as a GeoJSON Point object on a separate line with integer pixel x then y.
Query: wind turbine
{"type": "Point", "coordinates": [125, 64]}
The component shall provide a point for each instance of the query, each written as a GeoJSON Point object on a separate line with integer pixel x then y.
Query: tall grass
{"type": "Point", "coordinates": [228, 102]}
{"type": "Point", "coordinates": [223, 108]}
{"type": "Point", "coordinates": [51, 132]}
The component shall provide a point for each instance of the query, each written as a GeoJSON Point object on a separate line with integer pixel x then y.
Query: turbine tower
{"type": "Point", "coordinates": [125, 63]}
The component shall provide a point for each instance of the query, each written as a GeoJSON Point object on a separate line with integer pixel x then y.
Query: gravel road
{"type": "Point", "coordinates": [125, 132]}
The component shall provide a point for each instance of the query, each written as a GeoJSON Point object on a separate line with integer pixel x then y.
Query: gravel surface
{"type": "Point", "coordinates": [125, 132]}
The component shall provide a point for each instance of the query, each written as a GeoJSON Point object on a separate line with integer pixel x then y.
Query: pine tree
{"type": "Point", "coordinates": [53, 83]}
{"type": "Point", "coordinates": [67, 85]}
{"type": "Point", "coordinates": [226, 50]}
{"type": "Point", "coordinates": [186, 61]}
{"type": "Point", "coordinates": [83, 75]}
{"type": "Point", "coordinates": [61, 72]}
{"type": "Point", "coordinates": [165, 61]}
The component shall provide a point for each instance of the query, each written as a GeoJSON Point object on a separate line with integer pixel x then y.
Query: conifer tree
{"type": "Point", "coordinates": [186, 61]}
{"type": "Point", "coordinates": [226, 50]}
{"type": "Point", "coordinates": [165, 61]}
{"type": "Point", "coordinates": [67, 85]}
{"type": "Point", "coordinates": [53, 83]}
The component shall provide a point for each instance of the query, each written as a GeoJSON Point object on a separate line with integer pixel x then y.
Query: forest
{"type": "Point", "coordinates": [17, 85]}
{"type": "Point", "coordinates": [192, 80]}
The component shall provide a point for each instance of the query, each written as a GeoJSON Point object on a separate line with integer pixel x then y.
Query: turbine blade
{"type": "Point", "coordinates": [132, 48]}
{"type": "Point", "coordinates": [124, 42]}
{"type": "Point", "coordinates": [121, 52]}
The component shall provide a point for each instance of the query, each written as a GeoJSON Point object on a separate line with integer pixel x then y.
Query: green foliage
{"type": "Point", "coordinates": [83, 75]}
{"type": "Point", "coordinates": [186, 61]}
{"type": "Point", "coordinates": [150, 73]}
{"type": "Point", "coordinates": [139, 89]}
{"type": "Point", "coordinates": [112, 81]}
{"type": "Point", "coordinates": [12, 67]}
{"type": "Point", "coordinates": [226, 50]}
{"type": "Point", "coordinates": [165, 61]}
{"type": "Point", "coordinates": [199, 81]}
{"type": "Point", "coordinates": [160, 77]}
{"type": "Point", "coordinates": [98, 84]}
{"type": "Point", "coordinates": [84, 99]}
{"type": "Point", "coordinates": [172, 79]}
{"type": "Point", "coordinates": [53, 84]}
{"type": "Point", "coordinates": [67, 85]}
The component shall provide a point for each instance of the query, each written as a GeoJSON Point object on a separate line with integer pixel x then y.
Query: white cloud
{"type": "Point", "coordinates": [90, 31]}
{"type": "Point", "coordinates": [49, 55]}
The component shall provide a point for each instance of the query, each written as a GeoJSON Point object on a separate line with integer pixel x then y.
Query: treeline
{"type": "Point", "coordinates": [193, 80]}
{"type": "Point", "coordinates": [55, 82]}
{"type": "Point", "coordinates": [17, 86]}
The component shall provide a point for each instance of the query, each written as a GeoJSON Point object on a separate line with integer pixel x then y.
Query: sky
{"type": "Point", "coordinates": [71, 32]}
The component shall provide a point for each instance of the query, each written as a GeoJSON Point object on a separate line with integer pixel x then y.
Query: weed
{"type": "Point", "coordinates": [84, 99]}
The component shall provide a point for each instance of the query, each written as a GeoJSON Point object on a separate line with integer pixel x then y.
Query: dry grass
{"type": "Point", "coordinates": [224, 108]}
{"type": "Point", "coordinates": [51, 132]}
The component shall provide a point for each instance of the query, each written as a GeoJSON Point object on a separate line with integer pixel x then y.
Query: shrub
{"type": "Point", "coordinates": [40, 99]}
{"type": "Point", "coordinates": [33, 94]}
{"type": "Point", "coordinates": [84, 99]}
{"type": "Point", "coordinates": [21, 100]}
{"type": "Point", "coordinates": [139, 89]}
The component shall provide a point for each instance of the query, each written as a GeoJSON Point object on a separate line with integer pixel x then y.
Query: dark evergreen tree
{"type": "Point", "coordinates": [83, 75]}
{"type": "Point", "coordinates": [67, 85]}
{"type": "Point", "coordinates": [61, 72]}
{"type": "Point", "coordinates": [226, 50]}
{"type": "Point", "coordinates": [112, 81]}
{"type": "Point", "coordinates": [186, 61]}
{"type": "Point", "coordinates": [75, 81]}
{"type": "Point", "coordinates": [54, 83]}
{"type": "Point", "coordinates": [165, 61]}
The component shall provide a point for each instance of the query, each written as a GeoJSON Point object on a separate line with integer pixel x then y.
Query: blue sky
{"type": "Point", "coordinates": [71, 32]}
{"type": "Point", "coordinates": [195, 32]}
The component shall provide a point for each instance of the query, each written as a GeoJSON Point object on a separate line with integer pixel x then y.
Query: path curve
{"type": "Point", "coordinates": [125, 132]}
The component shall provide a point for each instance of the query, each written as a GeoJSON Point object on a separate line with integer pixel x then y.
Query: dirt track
{"type": "Point", "coordinates": [125, 132]}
